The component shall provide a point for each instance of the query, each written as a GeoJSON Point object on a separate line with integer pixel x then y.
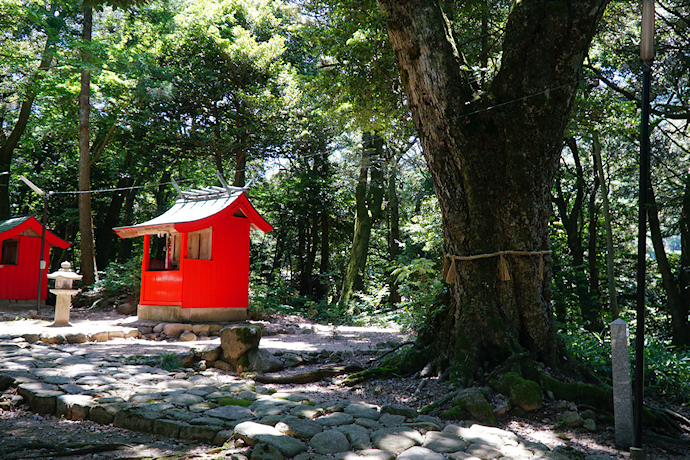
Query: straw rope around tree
{"type": "Point", "coordinates": [450, 272]}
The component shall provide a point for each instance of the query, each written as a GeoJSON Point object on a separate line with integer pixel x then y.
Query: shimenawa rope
{"type": "Point", "coordinates": [450, 271]}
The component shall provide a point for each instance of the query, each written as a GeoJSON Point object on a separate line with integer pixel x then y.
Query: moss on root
{"type": "Point", "coordinates": [403, 362]}
{"type": "Point", "coordinates": [471, 403]}
{"type": "Point", "coordinates": [523, 393]}
{"type": "Point", "coordinates": [578, 392]}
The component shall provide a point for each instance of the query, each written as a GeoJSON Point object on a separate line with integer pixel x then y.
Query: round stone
{"type": "Point", "coordinates": [330, 442]}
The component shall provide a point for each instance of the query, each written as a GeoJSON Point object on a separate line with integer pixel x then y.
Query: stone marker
{"type": "Point", "coordinates": [622, 392]}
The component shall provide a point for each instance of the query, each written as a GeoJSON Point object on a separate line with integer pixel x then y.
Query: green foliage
{"type": "Point", "coordinates": [120, 279]}
{"type": "Point", "coordinates": [667, 369]}
{"type": "Point", "coordinates": [667, 373]}
{"type": "Point", "coordinates": [592, 349]}
{"type": "Point", "coordinates": [421, 287]}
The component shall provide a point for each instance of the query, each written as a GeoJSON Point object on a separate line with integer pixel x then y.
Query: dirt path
{"type": "Point", "coordinates": [25, 435]}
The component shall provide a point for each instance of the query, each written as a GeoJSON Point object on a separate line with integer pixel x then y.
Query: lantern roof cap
{"type": "Point", "coordinates": [65, 271]}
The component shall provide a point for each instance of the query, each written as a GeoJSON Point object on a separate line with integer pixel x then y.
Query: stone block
{"type": "Point", "coordinates": [204, 433]}
{"type": "Point", "coordinates": [104, 414]}
{"type": "Point", "coordinates": [176, 329]}
{"type": "Point", "coordinates": [168, 428]}
{"type": "Point", "coordinates": [116, 335]}
{"type": "Point", "coordinates": [99, 336]}
{"type": "Point", "coordinates": [238, 340]}
{"type": "Point", "coordinates": [74, 407]}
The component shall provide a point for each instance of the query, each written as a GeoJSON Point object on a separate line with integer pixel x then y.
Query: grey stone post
{"type": "Point", "coordinates": [622, 388]}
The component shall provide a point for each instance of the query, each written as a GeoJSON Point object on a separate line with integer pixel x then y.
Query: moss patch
{"type": "Point", "coordinates": [471, 403]}
{"type": "Point", "coordinates": [523, 393]}
{"type": "Point", "coordinates": [229, 401]}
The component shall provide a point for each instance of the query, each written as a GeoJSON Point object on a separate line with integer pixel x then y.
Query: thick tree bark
{"type": "Point", "coordinates": [368, 208]}
{"type": "Point", "coordinates": [492, 158]}
{"type": "Point", "coordinates": [678, 312]}
{"type": "Point", "coordinates": [613, 297]}
{"type": "Point", "coordinates": [88, 256]}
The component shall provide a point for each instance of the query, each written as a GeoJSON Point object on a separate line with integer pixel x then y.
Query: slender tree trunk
{"type": "Point", "coordinates": [613, 297]}
{"type": "Point", "coordinates": [493, 158]}
{"type": "Point", "coordinates": [240, 168]}
{"type": "Point", "coordinates": [572, 224]}
{"type": "Point", "coordinates": [684, 269]}
{"type": "Point", "coordinates": [105, 236]}
{"type": "Point", "coordinates": [324, 265]}
{"type": "Point", "coordinates": [88, 256]}
{"type": "Point", "coordinates": [9, 143]}
{"type": "Point", "coordinates": [591, 309]}
{"type": "Point", "coordinates": [162, 193]}
{"type": "Point", "coordinates": [679, 315]}
{"type": "Point", "coordinates": [368, 208]}
{"type": "Point", "coordinates": [394, 227]}
{"type": "Point", "coordinates": [124, 250]}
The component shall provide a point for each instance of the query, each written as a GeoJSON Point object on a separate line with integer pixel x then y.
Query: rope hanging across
{"type": "Point", "coordinates": [450, 272]}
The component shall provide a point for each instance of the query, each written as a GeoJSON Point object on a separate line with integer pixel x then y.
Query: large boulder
{"type": "Point", "coordinates": [238, 340]}
{"type": "Point", "coordinates": [259, 360]}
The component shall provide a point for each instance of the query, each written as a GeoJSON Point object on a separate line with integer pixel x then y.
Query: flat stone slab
{"type": "Point", "coordinates": [396, 439]}
{"type": "Point", "coordinates": [363, 410]}
{"type": "Point", "coordinates": [252, 432]}
{"type": "Point", "coordinates": [230, 413]}
{"type": "Point", "coordinates": [335, 419]}
{"type": "Point", "coordinates": [420, 453]}
{"type": "Point", "coordinates": [367, 454]}
{"type": "Point", "coordinates": [298, 427]}
{"type": "Point", "coordinates": [444, 442]}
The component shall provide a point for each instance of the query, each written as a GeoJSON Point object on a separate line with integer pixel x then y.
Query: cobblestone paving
{"type": "Point", "coordinates": [71, 382]}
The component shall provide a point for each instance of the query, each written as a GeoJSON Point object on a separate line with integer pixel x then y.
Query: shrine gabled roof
{"type": "Point", "coordinates": [28, 226]}
{"type": "Point", "coordinates": [9, 224]}
{"type": "Point", "coordinates": [196, 205]}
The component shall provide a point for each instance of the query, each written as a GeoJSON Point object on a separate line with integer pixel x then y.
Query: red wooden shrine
{"type": "Point", "coordinates": [196, 257]}
{"type": "Point", "coordinates": [20, 246]}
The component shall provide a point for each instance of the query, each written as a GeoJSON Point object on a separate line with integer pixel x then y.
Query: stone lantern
{"type": "Point", "coordinates": [64, 292]}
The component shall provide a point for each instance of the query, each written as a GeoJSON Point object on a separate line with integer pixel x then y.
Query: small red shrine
{"type": "Point", "coordinates": [20, 247]}
{"type": "Point", "coordinates": [196, 257]}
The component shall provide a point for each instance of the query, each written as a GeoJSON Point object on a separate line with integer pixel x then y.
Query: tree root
{"type": "Point", "coordinates": [379, 358]}
{"type": "Point", "coordinates": [69, 450]}
{"type": "Point", "coordinates": [430, 407]}
{"type": "Point", "coordinates": [307, 377]}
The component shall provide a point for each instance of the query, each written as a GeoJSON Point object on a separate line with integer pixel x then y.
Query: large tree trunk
{"type": "Point", "coordinates": [368, 207]}
{"type": "Point", "coordinates": [492, 159]}
{"type": "Point", "coordinates": [88, 255]}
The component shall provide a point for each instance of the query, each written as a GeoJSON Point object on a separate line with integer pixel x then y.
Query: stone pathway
{"type": "Point", "coordinates": [70, 381]}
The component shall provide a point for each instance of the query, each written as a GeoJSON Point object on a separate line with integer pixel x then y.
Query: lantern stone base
{"type": "Point", "coordinates": [193, 315]}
